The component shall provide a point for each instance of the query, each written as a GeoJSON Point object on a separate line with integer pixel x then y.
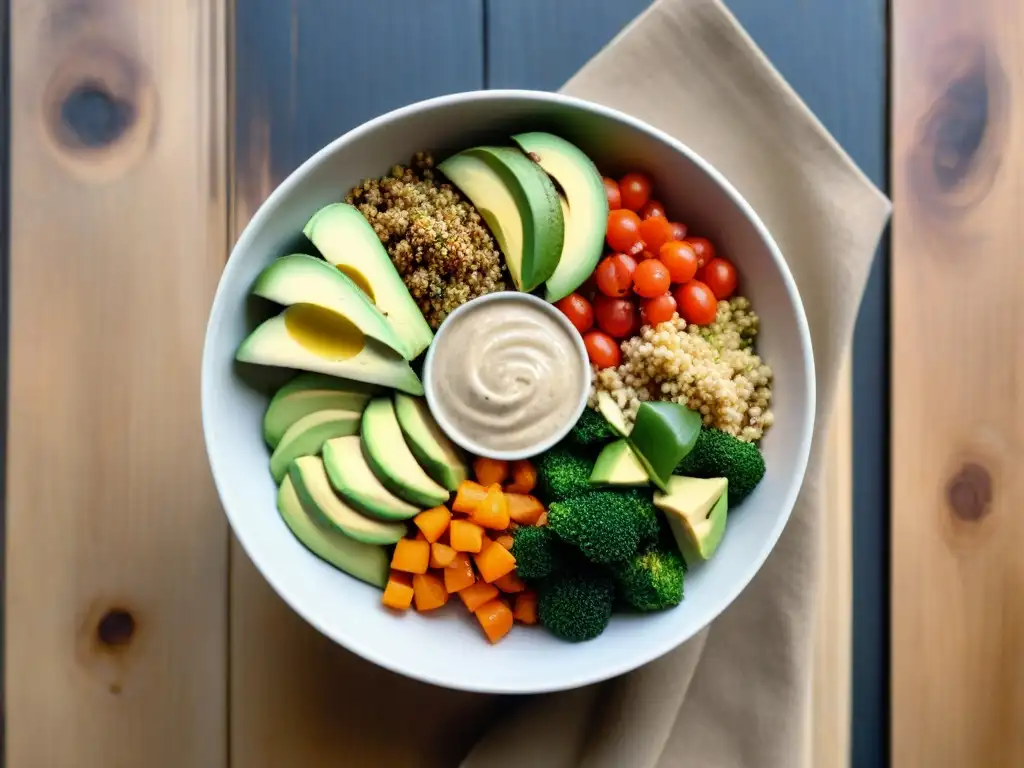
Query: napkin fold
{"type": "Point", "coordinates": [738, 694]}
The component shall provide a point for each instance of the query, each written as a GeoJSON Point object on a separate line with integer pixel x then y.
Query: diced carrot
{"type": "Point", "coordinates": [494, 562]}
{"type": "Point", "coordinates": [510, 583]}
{"type": "Point", "coordinates": [490, 471]}
{"type": "Point", "coordinates": [468, 496]}
{"type": "Point", "coordinates": [433, 522]}
{"type": "Point", "coordinates": [476, 595]}
{"type": "Point", "coordinates": [466, 536]}
{"type": "Point", "coordinates": [398, 592]}
{"type": "Point", "coordinates": [441, 555]}
{"type": "Point", "coordinates": [524, 477]}
{"type": "Point", "coordinates": [526, 607]}
{"type": "Point", "coordinates": [429, 592]}
{"type": "Point", "coordinates": [411, 556]}
{"type": "Point", "coordinates": [459, 575]}
{"type": "Point", "coordinates": [495, 618]}
{"type": "Point", "coordinates": [543, 519]}
{"type": "Point", "coordinates": [492, 512]}
{"type": "Point", "coordinates": [505, 540]}
{"type": "Point", "coordinates": [524, 509]}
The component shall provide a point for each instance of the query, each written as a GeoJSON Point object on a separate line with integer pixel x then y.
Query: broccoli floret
{"type": "Point", "coordinates": [592, 430]}
{"type": "Point", "coordinates": [562, 472]}
{"type": "Point", "coordinates": [576, 605]}
{"type": "Point", "coordinates": [719, 454]}
{"type": "Point", "coordinates": [651, 580]}
{"type": "Point", "coordinates": [604, 525]}
{"type": "Point", "coordinates": [536, 550]}
{"type": "Point", "coordinates": [648, 522]}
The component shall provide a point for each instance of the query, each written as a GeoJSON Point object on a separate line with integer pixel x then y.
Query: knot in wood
{"type": "Point", "coordinates": [970, 492]}
{"type": "Point", "coordinates": [116, 628]}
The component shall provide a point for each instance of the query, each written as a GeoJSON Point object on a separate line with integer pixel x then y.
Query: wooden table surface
{"type": "Point", "coordinates": [143, 135]}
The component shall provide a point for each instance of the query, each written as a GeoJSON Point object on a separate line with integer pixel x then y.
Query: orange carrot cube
{"type": "Point", "coordinates": [524, 477]}
{"type": "Point", "coordinates": [510, 583]}
{"type": "Point", "coordinates": [524, 509]}
{"type": "Point", "coordinates": [433, 522]}
{"type": "Point", "coordinates": [492, 512]}
{"type": "Point", "coordinates": [459, 574]}
{"type": "Point", "coordinates": [398, 592]}
{"type": "Point", "coordinates": [441, 555]}
{"type": "Point", "coordinates": [476, 595]}
{"type": "Point", "coordinates": [466, 536]}
{"type": "Point", "coordinates": [526, 608]}
{"type": "Point", "coordinates": [494, 562]}
{"type": "Point", "coordinates": [490, 471]}
{"type": "Point", "coordinates": [495, 619]}
{"type": "Point", "coordinates": [505, 540]}
{"type": "Point", "coordinates": [411, 556]}
{"type": "Point", "coordinates": [428, 591]}
{"type": "Point", "coordinates": [468, 495]}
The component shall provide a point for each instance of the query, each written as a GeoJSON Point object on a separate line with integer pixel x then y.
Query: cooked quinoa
{"type": "Point", "coordinates": [711, 369]}
{"type": "Point", "coordinates": [436, 239]}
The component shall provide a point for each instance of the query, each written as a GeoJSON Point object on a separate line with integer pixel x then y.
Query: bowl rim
{"type": "Point", "coordinates": [620, 663]}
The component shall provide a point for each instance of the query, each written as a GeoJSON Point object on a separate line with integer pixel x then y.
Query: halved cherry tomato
{"type": "Point", "coordinates": [615, 317]}
{"type": "Point", "coordinates": [611, 188]}
{"type": "Point", "coordinates": [602, 349]}
{"type": "Point", "coordinates": [659, 309]}
{"type": "Point", "coordinates": [624, 232]}
{"type": "Point", "coordinates": [578, 310]}
{"type": "Point", "coordinates": [697, 303]}
{"type": "Point", "coordinates": [652, 208]}
{"type": "Point", "coordinates": [679, 258]}
{"type": "Point", "coordinates": [655, 232]}
{"type": "Point", "coordinates": [703, 248]}
{"type": "Point", "coordinates": [720, 276]}
{"type": "Point", "coordinates": [635, 189]}
{"type": "Point", "coordinates": [614, 275]}
{"type": "Point", "coordinates": [678, 230]}
{"type": "Point", "coordinates": [651, 278]}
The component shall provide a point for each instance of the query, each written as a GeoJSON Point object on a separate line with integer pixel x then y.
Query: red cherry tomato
{"type": "Point", "coordinates": [651, 278]}
{"type": "Point", "coordinates": [627, 261]}
{"type": "Point", "coordinates": [703, 248]}
{"type": "Point", "coordinates": [651, 209]}
{"type": "Point", "coordinates": [614, 275]}
{"type": "Point", "coordinates": [635, 189]}
{"type": "Point", "coordinates": [624, 232]}
{"type": "Point", "coordinates": [678, 230]}
{"type": "Point", "coordinates": [720, 276]}
{"type": "Point", "coordinates": [659, 309]}
{"type": "Point", "coordinates": [697, 303]}
{"type": "Point", "coordinates": [602, 349]}
{"type": "Point", "coordinates": [578, 310]}
{"type": "Point", "coordinates": [679, 258]}
{"type": "Point", "coordinates": [611, 188]}
{"type": "Point", "coordinates": [655, 232]}
{"type": "Point", "coordinates": [589, 288]}
{"type": "Point", "coordinates": [616, 317]}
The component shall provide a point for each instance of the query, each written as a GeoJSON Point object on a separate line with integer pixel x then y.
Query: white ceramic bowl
{"type": "Point", "coordinates": [448, 649]}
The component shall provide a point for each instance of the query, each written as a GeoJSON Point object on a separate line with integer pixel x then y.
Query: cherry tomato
{"type": "Point", "coordinates": [589, 288]}
{"type": "Point", "coordinates": [655, 232]}
{"type": "Point", "coordinates": [614, 275]}
{"type": "Point", "coordinates": [624, 232]}
{"type": "Point", "coordinates": [679, 258]}
{"type": "Point", "coordinates": [602, 349]}
{"type": "Point", "coordinates": [659, 309]}
{"type": "Point", "coordinates": [703, 248]}
{"type": "Point", "coordinates": [616, 317]}
{"type": "Point", "coordinates": [578, 310]}
{"type": "Point", "coordinates": [651, 209]}
{"type": "Point", "coordinates": [611, 188]}
{"type": "Point", "coordinates": [697, 303]}
{"type": "Point", "coordinates": [720, 276]}
{"type": "Point", "coordinates": [678, 230]}
{"type": "Point", "coordinates": [635, 189]}
{"type": "Point", "coordinates": [651, 278]}
{"type": "Point", "coordinates": [627, 261]}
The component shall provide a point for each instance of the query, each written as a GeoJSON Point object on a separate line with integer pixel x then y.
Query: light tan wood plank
{"type": "Point", "coordinates": [957, 432]}
{"type": "Point", "coordinates": [118, 235]}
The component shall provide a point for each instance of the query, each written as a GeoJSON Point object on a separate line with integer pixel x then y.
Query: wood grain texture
{"type": "Point", "coordinates": [116, 559]}
{"type": "Point", "coordinates": [957, 571]}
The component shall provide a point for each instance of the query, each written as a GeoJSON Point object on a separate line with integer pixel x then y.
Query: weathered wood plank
{"type": "Point", "coordinates": [117, 548]}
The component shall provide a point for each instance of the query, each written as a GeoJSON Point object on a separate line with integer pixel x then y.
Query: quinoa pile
{"type": "Point", "coordinates": [711, 369]}
{"type": "Point", "coordinates": [436, 239]}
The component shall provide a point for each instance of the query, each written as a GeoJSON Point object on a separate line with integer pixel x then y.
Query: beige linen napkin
{"type": "Point", "coordinates": [738, 693]}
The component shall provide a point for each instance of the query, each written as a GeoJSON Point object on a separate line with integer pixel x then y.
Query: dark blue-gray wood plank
{"type": "Point", "coordinates": [833, 52]}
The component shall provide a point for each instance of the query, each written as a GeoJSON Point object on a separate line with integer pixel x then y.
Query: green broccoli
{"type": "Point", "coordinates": [591, 430]}
{"type": "Point", "coordinates": [563, 472]}
{"type": "Point", "coordinates": [648, 522]}
{"type": "Point", "coordinates": [719, 454]}
{"type": "Point", "coordinates": [604, 525]}
{"type": "Point", "coordinates": [536, 550]}
{"type": "Point", "coordinates": [652, 579]}
{"type": "Point", "coordinates": [576, 605]}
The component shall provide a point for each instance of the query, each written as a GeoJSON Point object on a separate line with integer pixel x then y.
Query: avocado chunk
{"type": "Point", "coordinates": [347, 241]}
{"type": "Point", "coordinates": [442, 460]}
{"type": "Point", "coordinates": [307, 436]}
{"type": "Point", "coordinates": [310, 338]}
{"type": "Point", "coordinates": [318, 498]}
{"type": "Point", "coordinates": [302, 279]}
{"type": "Point", "coordinates": [612, 414]}
{"type": "Point", "coordinates": [586, 202]}
{"type": "Point", "coordinates": [663, 433]}
{"type": "Point", "coordinates": [367, 562]}
{"type": "Point", "coordinates": [308, 393]}
{"type": "Point", "coordinates": [519, 203]}
{"type": "Point", "coordinates": [696, 510]}
{"type": "Point", "coordinates": [355, 482]}
{"type": "Point", "coordinates": [618, 465]}
{"type": "Point", "coordinates": [392, 461]}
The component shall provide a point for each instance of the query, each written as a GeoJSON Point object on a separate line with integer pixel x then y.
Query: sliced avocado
{"type": "Point", "coordinates": [696, 510]}
{"type": "Point", "coordinates": [310, 338]}
{"type": "Point", "coordinates": [618, 465]}
{"type": "Point", "coordinates": [367, 562]}
{"type": "Point", "coordinates": [308, 393]}
{"type": "Point", "coordinates": [302, 279]}
{"type": "Point", "coordinates": [318, 498]}
{"type": "Point", "coordinates": [586, 201]}
{"type": "Point", "coordinates": [663, 433]}
{"type": "Point", "coordinates": [520, 205]}
{"type": "Point", "coordinates": [391, 460]}
{"type": "Point", "coordinates": [442, 460]}
{"type": "Point", "coordinates": [355, 482]}
{"type": "Point", "coordinates": [612, 414]}
{"type": "Point", "coordinates": [347, 241]}
{"type": "Point", "coordinates": [307, 435]}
